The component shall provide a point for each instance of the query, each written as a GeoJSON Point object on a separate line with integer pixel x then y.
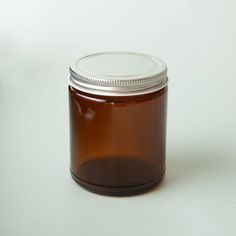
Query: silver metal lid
{"type": "Point", "coordinates": [118, 74]}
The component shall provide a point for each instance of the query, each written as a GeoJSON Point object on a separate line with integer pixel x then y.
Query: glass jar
{"type": "Point", "coordinates": [118, 103]}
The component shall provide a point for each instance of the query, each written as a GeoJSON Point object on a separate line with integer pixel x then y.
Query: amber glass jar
{"type": "Point", "coordinates": [118, 104]}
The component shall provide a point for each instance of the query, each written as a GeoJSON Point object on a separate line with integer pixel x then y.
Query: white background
{"type": "Point", "coordinates": [38, 42]}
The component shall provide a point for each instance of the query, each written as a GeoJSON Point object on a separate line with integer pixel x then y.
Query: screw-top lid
{"type": "Point", "coordinates": [118, 74]}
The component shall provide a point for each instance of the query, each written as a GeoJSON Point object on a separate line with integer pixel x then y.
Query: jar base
{"type": "Point", "coordinates": [117, 191]}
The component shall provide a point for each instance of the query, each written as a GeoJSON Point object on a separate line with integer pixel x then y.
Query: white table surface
{"type": "Point", "coordinates": [39, 39]}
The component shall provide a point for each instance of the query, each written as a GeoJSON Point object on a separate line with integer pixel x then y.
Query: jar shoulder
{"type": "Point", "coordinates": [77, 94]}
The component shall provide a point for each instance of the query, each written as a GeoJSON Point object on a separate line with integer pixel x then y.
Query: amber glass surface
{"type": "Point", "coordinates": [117, 143]}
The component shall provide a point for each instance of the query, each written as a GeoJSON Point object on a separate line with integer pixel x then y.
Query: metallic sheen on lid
{"type": "Point", "coordinates": [118, 74]}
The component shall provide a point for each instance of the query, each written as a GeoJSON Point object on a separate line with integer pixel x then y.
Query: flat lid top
{"type": "Point", "coordinates": [118, 66]}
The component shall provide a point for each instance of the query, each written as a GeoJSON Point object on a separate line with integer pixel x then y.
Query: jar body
{"type": "Point", "coordinates": [117, 143]}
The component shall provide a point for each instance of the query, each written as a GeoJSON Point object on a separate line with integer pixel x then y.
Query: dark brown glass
{"type": "Point", "coordinates": [117, 143]}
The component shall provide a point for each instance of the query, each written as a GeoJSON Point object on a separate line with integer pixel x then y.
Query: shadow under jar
{"type": "Point", "coordinates": [118, 103]}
